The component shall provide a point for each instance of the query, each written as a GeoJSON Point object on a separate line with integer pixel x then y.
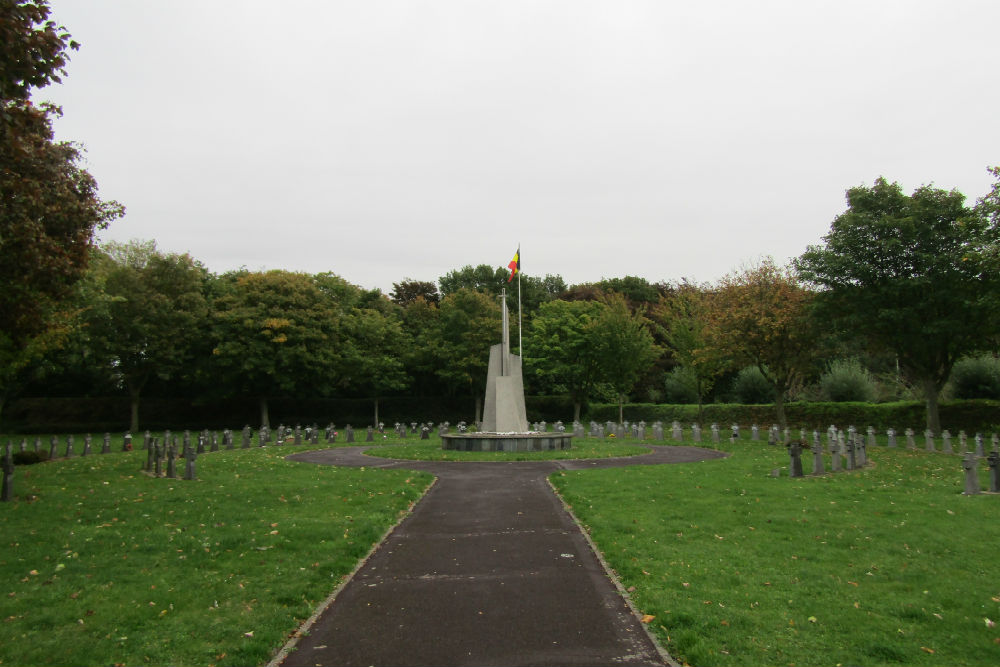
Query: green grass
{"type": "Point", "coordinates": [103, 564]}
{"type": "Point", "coordinates": [882, 566]}
{"type": "Point", "coordinates": [430, 450]}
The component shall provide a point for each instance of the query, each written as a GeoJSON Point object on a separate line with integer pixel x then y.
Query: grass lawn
{"type": "Point", "coordinates": [887, 565]}
{"type": "Point", "coordinates": [105, 565]}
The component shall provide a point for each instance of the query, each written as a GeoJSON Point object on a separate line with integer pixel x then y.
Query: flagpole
{"type": "Point", "coordinates": [520, 345]}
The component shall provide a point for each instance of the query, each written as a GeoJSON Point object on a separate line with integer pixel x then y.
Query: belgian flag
{"type": "Point", "coordinates": [515, 264]}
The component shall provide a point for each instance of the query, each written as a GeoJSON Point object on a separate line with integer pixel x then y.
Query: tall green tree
{"type": "Point", "coordinates": [372, 353]}
{"type": "Point", "coordinates": [279, 333]}
{"type": "Point", "coordinates": [49, 206]}
{"type": "Point", "coordinates": [406, 292]}
{"type": "Point", "coordinates": [684, 317]}
{"type": "Point", "coordinates": [468, 323]}
{"type": "Point", "coordinates": [912, 274]}
{"type": "Point", "coordinates": [761, 316]}
{"type": "Point", "coordinates": [560, 352]}
{"type": "Point", "coordinates": [623, 346]}
{"type": "Point", "coordinates": [150, 317]}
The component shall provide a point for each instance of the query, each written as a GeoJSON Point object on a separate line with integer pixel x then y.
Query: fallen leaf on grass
{"type": "Point", "coordinates": [926, 650]}
{"type": "Point", "coordinates": [248, 634]}
{"type": "Point", "coordinates": [647, 618]}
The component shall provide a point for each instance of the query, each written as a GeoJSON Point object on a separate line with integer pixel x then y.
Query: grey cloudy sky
{"type": "Point", "coordinates": [390, 139]}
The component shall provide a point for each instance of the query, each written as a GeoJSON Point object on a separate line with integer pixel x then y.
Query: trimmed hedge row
{"type": "Point", "coordinates": [95, 415]}
{"type": "Point", "coordinates": [971, 416]}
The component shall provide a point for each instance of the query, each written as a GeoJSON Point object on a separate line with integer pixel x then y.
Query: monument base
{"type": "Point", "coordinates": [506, 442]}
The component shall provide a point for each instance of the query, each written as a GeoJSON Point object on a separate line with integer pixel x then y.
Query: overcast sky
{"type": "Point", "coordinates": [384, 140]}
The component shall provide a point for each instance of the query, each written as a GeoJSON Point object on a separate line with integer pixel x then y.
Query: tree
{"type": "Point", "coordinates": [623, 346]}
{"type": "Point", "coordinates": [560, 349]}
{"type": "Point", "coordinates": [148, 317]}
{"type": "Point", "coordinates": [408, 291]}
{"type": "Point", "coordinates": [49, 206]}
{"type": "Point", "coordinates": [372, 353]}
{"type": "Point", "coordinates": [467, 325]}
{"type": "Point", "coordinates": [913, 274]}
{"type": "Point", "coordinates": [685, 326]}
{"type": "Point", "coordinates": [278, 332]}
{"type": "Point", "coordinates": [761, 316]}
{"type": "Point", "coordinates": [480, 278]}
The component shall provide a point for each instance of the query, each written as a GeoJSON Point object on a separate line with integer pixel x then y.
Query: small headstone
{"type": "Point", "coordinates": [658, 431]}
{"type": "Point", "coordinates": [971, 466]}
{"type": "Point", "coordinates": [817, 451]}
{"type": "Point", "coordinates": [787, 435]}
{"type": "Point", "coordinates": [772, 435]}
{"type": "Point", "coordinates": [69, 447]}
{"type": "Point", "coordinates": [86, 444]}
{"type": "Point", "coordinates": [910, 443]}
{"type": "Point", "coordinates": [189, 468]}
{"type": "Point", "coordinates": [105, 446]}
{"type": "Point", "coordinates": [755, 433]}
{"type": "Point", "coordinates": [7, 485]}
{"type": "Point", "coordinates": [186, 442]}
{"type": "Point", "coordinates": [715, 432]}
{"type": "Point", "coordinates": [298, 435]}
{"type": "Point", "coordinates": [425, 433]}
{"type": "Point", "coordinates": [979, 445]}
{"type": "Point", "coordinates": [871, 436]}
{"type": "Point", "coordinates": [171, 460]}
{"type": "Point", "coordinates": [929, 441]}
{"type": "Point", "coordinates": [147, 438]}
{"type": "Point", "coordinates": [835, 455]}
{"type": "Point", "coordinates": [245, 436]}
{"type": "Point", "coordinates": [53, 445]}
{"type": "Point", "coordinates": [891, 437]}
{"type": "Point", "coordinates": [795, 453]}
{"type": "Point", "coordinates": [262, 437]}
{"type": "Point", "coordinates": [963, 446]}
{"type": "Point", "coordinates": [946, 442]}
{"type": "Point", "coordinates": [202, 441]}
{"type": "Point", "coordinates": [370, 434]}
{"type": "Point", "coordinates": [675, 432]}
{"type": "Point", "coordinates": [215, 442]}
{"type": "Point", "coordinates": [847, 448]}
{"type": "Point", "coordinates": [314, 436]}
{"type": "Point", "coordinates": [734, 432]}
{"type": "Point", "coordinates": [993, 458]}
{"type": "Point", "coordinates": [156, 458]}
{"type": "Point", "coordinates": [38, 444]}
{"type": "Point", "coordinates": [150, 456]}
{"type": "Point", "coordinates": [695, 433]}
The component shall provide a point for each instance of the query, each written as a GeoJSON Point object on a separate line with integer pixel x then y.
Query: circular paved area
{"type": "Point", "coordinates": [488, 569]}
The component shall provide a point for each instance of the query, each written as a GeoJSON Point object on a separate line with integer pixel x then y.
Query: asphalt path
{"type": "Point", "coordinates": [488, 569]}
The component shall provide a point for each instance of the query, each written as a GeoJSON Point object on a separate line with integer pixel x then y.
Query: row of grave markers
{"type": "Point", "coordinates": [849, 446]}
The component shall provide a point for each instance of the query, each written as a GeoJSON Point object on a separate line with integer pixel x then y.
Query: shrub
{"type": "Point", "coordinates": [29, 457]}
{"type": "Point", "coordinates": [847, 381]}
{"type": "Point", "coordinates": [679, 387]}
{"type": "Point", "coordinates": [750, 387]}
{"type": "Point", "coordinates": [976, 377]}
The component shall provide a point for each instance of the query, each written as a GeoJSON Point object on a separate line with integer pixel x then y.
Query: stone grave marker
{"type": "Point", "coordinates": [817, 452]}
{"type": "Point", "coordinates": [714, 428]}
{"type": "Point", "coordinates": [993, 459]}
{"type": "Point", "coordinates": [69, 447]}
{"type": "Point", "coordinates": [910, 443]}
{"type": "Point", "coordinates": [754, 432]}
{"type": "Point", "coordinates": [963, 445]}
{"type": "Point", "coordinates": [171, 459]}
{"type": "Point", "coordinates": [105, 446]}
{"type": "Point", "coordinates": [795, 454]}
{"type": "Point", "coordinates": [946, 442]}
{"type": "Point", "coordinates": [86, 444]}
{"type": "Point", "coordinates": [929, 443]}
{"type": "Point", "coordinates": [971, 466]}
{"type": "Point", "coordinates": [979, 445]}
{"type": "Point", "coordinates": [695, 433]}
{"type": "Point", "coordinates": [349, 434]}
{"type": "Point", "coordinates": [891, 436]}
{"type": "Point", "coordinates": [675, 431]}
{"type": "Point", "coordinates": [425, 433]}
{"type": "Point", "coordinates": [53, 445]}
{"type": "Point", "coordinates": [189, 468]}
{"type": "Point", "coordinates": [370, 434]}
{"type": "Point", "coordinates": [7, 485]}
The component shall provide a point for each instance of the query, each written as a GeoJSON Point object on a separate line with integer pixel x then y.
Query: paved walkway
{"type": "Point", "coordinates": [488, 569]}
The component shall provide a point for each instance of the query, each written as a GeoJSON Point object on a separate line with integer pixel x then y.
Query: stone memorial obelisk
{"type": "Point", "coordinates": [503, 408]}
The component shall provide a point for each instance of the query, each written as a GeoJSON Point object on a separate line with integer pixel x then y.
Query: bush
{"type": "Point", "coordinates": [847, 381]}
{"type": "Point", "coordinates": [750, 387]}
{"type": "Point", "coordinates": [976, 377]}
{"type": "Point", "coordinates": [29, 457]}
{"type": "Point", "coordinates": [679, 387]}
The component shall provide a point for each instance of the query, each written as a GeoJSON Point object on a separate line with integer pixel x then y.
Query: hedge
{"type": "Point", "coordinates": [97, 415]}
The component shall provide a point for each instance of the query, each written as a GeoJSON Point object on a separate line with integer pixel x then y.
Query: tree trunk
{"type": "Point", "coordinates": [376, 412]}
{"type": "Point", "coordinates": [576, 411]}
{"type": "Point", "coordinates": [264, 418]}
{"type": "Point", "coordinates": [133, 395]}
{"type": "Point", "coordinates": [933, 415]}
{"type": "Point", "coordinates": [621, 408]}
{"type": "Point", "coordinates": [779, 408]}
{"type": "Point", "coordinates": [479, 410]}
